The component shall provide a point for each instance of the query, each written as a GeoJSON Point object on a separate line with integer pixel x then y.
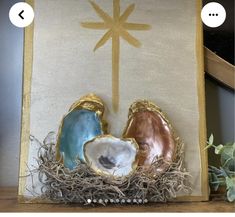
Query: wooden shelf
{"type": "Point", "coordinates": [8, 203]}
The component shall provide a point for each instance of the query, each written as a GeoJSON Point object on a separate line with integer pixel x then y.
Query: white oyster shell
{"type": "Point", "coordinates": [108, 155]}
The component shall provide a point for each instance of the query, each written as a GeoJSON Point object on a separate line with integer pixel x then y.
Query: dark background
{"type": "Point", "coordinates": [221, 39]}
{"type": "Point", "coordinates": [220, 100]}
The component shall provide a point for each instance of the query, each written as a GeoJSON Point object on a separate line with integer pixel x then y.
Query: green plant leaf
{"type": "Point", "coordinates": [213, 169]}
{"type": "Point", "coordinates": [229, 150]}
{"type": "Point", "coordinates": [230, 182]}
{"type": "Point", "coordinates": [211, 140]}
{"type": "Point", "coordinates": [223, 172]}
{"type": "Point", "coordinates": [230, 173]}
{"type": "Point", "coordinates": [227, 162]}
{"type": "Point", "coordinates": [218, 182]}
{"type": "Point", "coordinates": [231, 194]}
{"type": "Point", "coordinates": [228, 157]}
{"type": "Point", "coordinates": [208, 146]}
{"type": "Point", "coordinates": [219, 149]}
{"type": "Point", "coordinates": [214, 181]}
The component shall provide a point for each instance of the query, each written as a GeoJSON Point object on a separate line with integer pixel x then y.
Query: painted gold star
{"type": "Point", "coordinates": [117, 27]}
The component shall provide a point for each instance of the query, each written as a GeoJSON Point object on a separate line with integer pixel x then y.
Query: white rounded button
{"type": "Point", "coordinates": [213, 14]}
{"type": "Point", "coordinates": [21, 14]}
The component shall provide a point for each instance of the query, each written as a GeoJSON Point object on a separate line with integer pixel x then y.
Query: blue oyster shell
{"type": "Point", "coordinates": [78, 127]}
{"type": "Point", "coordinates": [83, 123]}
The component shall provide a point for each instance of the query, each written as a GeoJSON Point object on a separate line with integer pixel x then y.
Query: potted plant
{"type": "Point", "coordinates": [225, 174]}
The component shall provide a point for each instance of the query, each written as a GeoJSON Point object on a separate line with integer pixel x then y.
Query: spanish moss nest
{"type": "Point", "coordinates": [84, 186]}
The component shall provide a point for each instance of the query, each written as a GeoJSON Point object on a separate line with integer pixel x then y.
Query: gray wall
{"type": "Point", "coordinates": [11, 56]}
{"type": "Point", "coordinates": [220, 109]}
{"type": "Point", "coordinates": [220, 101]}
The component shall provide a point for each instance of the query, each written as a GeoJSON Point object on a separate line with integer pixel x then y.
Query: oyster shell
{"type": "Point", "coordinates": [153, 132]}
{"type": "Point", "coordinates": [83, 122]}
{"type": "Point", "coordinates": [111, 156]}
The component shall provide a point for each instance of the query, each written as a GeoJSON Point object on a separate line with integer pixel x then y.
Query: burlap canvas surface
{"type": "Point", "coordinates": [164, 69]}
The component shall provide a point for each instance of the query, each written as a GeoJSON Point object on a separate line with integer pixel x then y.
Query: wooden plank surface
{"type": "Point", "coordinates": [219, 69]}
{"type": "Point", "coordinates": [8, 203]}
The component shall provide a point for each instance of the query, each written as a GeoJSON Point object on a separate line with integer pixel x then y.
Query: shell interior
{"type": "Point", "coordinates": [111, 156]}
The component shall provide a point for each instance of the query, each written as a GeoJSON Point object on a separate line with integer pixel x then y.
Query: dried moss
{"type": "Point", "coordinates": [83, 186]}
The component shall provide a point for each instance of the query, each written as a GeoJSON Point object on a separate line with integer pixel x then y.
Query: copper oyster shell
{"type": "Point", "coordinates": [153, 132]}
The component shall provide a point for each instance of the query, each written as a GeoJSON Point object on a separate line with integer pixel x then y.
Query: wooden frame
{"type": "Point", "coordinates": [25, 120]}
{"type": "Point", "coordinates": [28, 58]}
{"type": "Point", "coordinates": [219, 69]}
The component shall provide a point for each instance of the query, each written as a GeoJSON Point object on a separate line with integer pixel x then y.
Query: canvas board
{"type": "Point", "coordinates": [60, 66]}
